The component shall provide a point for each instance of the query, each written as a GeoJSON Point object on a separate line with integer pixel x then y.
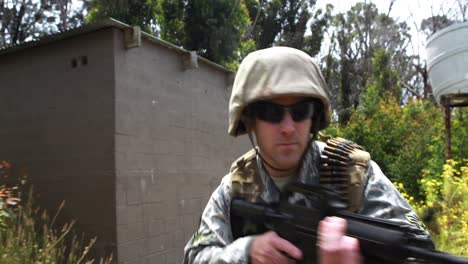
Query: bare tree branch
{"type": "Point", "coordinates": [390, 7]}
{"type": "Point", "coordinates": [17, 23]}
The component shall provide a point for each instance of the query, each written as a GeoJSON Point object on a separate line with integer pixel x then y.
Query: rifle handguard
{"type": "Point", "coordinates": [380, 241]}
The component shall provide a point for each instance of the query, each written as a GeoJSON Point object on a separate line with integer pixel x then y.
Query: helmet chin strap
{"type": "Point", "coordinates": [263, 159]}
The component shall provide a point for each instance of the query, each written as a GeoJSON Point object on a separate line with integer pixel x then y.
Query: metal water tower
{"type": "Point", "coordinates": [447, 56]}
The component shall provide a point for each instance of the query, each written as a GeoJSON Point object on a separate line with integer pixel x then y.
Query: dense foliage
{"type": "Point", "coordinates": [408, 144]}
{"type": "Point", "coordinates": [445, 206]}
{"type": "Point", "coordinates": [360, 40]}
{"type": "Point", "coordinates": [140, 13]}
{"type": "Point", "coordinates": [402, 139]}
{"type": "Point", "coordinates": [215, 28]}
{"type": "Point", "coordinates": [408, 141]}
{"type": "Point", "coordinates": [223, 31]}
{"type": "Point", "coordinates": [28, 20]}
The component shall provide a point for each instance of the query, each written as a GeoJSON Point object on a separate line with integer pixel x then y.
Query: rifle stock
{"type": "Point", "coordinates": [380, 241]}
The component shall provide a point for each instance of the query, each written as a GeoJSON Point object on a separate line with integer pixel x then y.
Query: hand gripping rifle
{"type": "Point", "coordinates": [380, 241]}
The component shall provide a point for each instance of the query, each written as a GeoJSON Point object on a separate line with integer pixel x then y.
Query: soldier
{"type": "Point", "coordinates": [280, 98]}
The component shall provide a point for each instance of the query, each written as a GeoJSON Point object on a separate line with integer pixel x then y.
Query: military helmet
{"type": "Point", "coordinates": [273, 72]}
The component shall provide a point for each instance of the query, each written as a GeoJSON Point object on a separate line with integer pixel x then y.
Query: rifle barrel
{"type": "Point", "coordinates": [435, 256]}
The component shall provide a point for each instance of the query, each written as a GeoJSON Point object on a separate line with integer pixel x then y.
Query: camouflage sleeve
{"type": "Point", "coordinates": [382, 200]}
{"type": "Point", "coordinates": [213, 242]}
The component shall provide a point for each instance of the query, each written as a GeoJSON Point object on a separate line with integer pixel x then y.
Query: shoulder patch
{"type": "Point", "coordinates": [414, 219]}
{"type": "Point", "coordinates": [200, 239]}
{"type": "Point", "coordinates": [242, 160]}
{"type": "Point", "coordinates": [244, 180]}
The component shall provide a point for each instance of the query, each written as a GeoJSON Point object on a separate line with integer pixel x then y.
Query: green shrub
{"type": "Point", "coordinates": [447, 202]}
{"type": "Point", "coordinates": [402, 140]}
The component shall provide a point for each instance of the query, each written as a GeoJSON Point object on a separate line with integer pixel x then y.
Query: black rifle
{"type": "Point", "coordinates": [380, 241]}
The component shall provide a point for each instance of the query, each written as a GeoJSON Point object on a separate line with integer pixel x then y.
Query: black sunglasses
{"type": "Point", "coordinates": [274, 113]}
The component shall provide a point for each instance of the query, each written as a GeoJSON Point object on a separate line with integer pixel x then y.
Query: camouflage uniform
{"type": "Point", "coordinates": [264, 75]}
{"type": "Point", "coordinates": [213, 242]}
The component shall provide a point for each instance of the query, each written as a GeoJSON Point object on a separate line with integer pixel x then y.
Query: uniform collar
{"type": "Point", "coordinates": [309, 173]}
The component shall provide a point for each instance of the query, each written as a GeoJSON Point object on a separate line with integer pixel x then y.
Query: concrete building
{"type": "Point", "coordinates": [129, 130]}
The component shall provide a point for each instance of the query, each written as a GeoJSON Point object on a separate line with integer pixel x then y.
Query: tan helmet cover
{"type": "Point", "coordinates": [273, 72]}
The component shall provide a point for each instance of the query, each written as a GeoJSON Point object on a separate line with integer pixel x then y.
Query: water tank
{"type": "Point", "coordinates": [447, 56]}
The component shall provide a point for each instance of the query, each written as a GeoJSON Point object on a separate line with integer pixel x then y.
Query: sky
{"type": "Point", "coordinates": [411, 11]}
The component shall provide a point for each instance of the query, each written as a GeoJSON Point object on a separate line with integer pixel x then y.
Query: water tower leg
{"type": "Point", "coordinates": [448, 135]}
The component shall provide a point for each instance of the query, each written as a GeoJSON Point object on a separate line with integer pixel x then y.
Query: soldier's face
{"type": "Point", "coordinates": [283, 140]}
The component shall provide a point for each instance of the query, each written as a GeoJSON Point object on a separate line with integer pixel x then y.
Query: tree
{"type": "Point", "coordinates": [384, 81]}
{"type": "Point", "coordinates": [284, 22]}
{"type": "Point", "coordinates": [321, 21]}
{"type": "Point", "coordinates": [349, 57]}
{"type": "Point", "coordinates": [171, 21]}
{"type": "Point", "coordinates": [141, 13]}
{"type": "Point", "coordinates": [27, 20]}
{"type": "Point", "coordinates": [266, 23]}
{"type": "Point", "coordinates": [295, 14]}
{"type": "Point", "coordinates": [355, 37]}
{"type": "Point", "coordinates": [215, 28]}
{"type": "Point", "coordinates": [404, 140]}
{"type": "Point", "coordinates": [223, 31]}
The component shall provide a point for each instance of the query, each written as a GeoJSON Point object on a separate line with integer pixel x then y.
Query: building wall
{"type": "Point", "coordinates": [57, 116]}
{"type": "Point", "coordinates": [172, 149]}
{"type": "Point", "coordinates": [131, 141]}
